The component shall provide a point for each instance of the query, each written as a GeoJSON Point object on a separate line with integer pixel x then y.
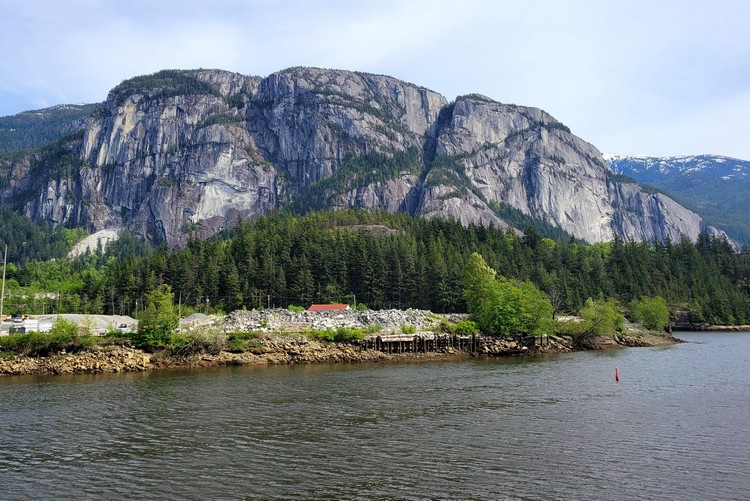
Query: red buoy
{"type": "Point", "coordinates": [617, 375]}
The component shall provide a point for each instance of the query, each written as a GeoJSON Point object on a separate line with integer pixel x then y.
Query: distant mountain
{"type": "Point", "coordinates": [716, 187]}
{"type": "Point", "coordinates": [177, 153]}
{"type": "Point", "coordinates": [32, 129]}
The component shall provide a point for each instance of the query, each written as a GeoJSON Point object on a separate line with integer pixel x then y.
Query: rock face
{"type": "Point", "coordinates": [714, 186]}
{"type": "Point", "coordinates": [182, 152]}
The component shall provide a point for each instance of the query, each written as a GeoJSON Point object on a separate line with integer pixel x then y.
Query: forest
{"type": "Point", "coordinates": [380, 260]}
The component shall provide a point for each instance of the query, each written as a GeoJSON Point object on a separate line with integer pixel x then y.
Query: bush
{"type": "Point", "coordinates": [466, 328]}
{"type": "Point", "coordinates": [653, 312]}
{"type": "Point", "coordinates": [340, 335]}
{"type": "Point", "coordinates": [321, 335]}
{"type": "Point", "coordinates": [240, 341]}
{"type": "Point", "coordinates": [602, 316]}
{"type": "Point", "coordinates": [210, 341]}
{"type": "Point", "coordinates": [295, 308]}
{"type": "Point", "coordinates": [62, 336]}
{"type": "Point", "coordinates": [463, 328]}
{"type": "Point", "coordinates": [346, 334]}
{"type": "Point", "coordinates": [408, 329]}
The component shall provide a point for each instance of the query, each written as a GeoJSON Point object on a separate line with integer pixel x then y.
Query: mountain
{"type": "Point", "coordinates": [32, 129]}
{"type": "Point", "coordinates": [716, 187]}
{"type": "Point", "coordinates": [182, 152]}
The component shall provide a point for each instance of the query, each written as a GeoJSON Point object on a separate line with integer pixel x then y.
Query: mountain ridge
{"type": "Point", "coordinates": [714, 186]}
{"type": "Point", "coordinates": [181, 152]}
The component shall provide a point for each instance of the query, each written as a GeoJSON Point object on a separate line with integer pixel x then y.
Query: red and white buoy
{"type": "Point", "coordinates": [617, 375]}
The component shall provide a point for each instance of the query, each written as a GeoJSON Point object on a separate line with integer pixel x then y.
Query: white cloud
{"type": "Point", "coordinates": [612, 71]}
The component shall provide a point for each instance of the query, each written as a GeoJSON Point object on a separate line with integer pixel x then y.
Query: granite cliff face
{"type": "Point", "coordinates": [179, 152]}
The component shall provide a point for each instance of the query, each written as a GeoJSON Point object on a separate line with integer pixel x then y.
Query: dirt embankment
{"type": "Point", "coordinates": [290, 350]}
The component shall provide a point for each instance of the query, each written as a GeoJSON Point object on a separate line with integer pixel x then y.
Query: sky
{"type": "Point", "coordinates": [629, 76]}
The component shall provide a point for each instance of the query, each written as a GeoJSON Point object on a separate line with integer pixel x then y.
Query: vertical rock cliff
{"type": "Point", "coordinates": [179, 152]}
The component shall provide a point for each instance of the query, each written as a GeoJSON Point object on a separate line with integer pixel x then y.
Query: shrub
{"type": "Point", "coordinates": [321, 335]}
{"type": "Point", "coordinates": [466, 328]}
{"type": "Point", "coordinates": [240, 341]}
{"type": "Point", "coordinates": [602, 316]}
{"type": "Point", "coordinates": [62, 336]}
{"type": "Point", "coordinates": [340, 335]}
{"type": "Point", "coordinates": [295, 308]}
{"type": "Point", "coordinates": [501, 306]}
{"type": "Point", "coordinates": [345, 334]}
{"type": "Point", "coordinates": [408, 329]}
{"type": "Point", "coordinates": [199, 341]}
{"type": "Point", "coordinates": [463, 328]}
{"type": "Point", "coordinates": [653, 312]}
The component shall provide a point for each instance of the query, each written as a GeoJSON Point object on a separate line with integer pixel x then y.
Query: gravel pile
{"type": "Point", "coordinates": [284, 320]}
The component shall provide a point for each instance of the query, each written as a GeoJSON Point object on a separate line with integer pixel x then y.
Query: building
{"type": "Point", "coordinates": [328, 307]}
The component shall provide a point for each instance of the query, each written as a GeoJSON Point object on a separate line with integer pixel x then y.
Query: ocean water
{"type": "Point", "coordinates": [676, 426]}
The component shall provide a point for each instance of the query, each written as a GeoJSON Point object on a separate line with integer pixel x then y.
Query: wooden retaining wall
{"type": "Point", "coordinates": [425, 343]}
{"type": "Point", "coordinates": [440, 342]}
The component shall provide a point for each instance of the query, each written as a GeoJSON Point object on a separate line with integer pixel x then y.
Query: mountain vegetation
{"type": "Point", "coordinates": [387, 261]}
{"type": "Point", "coordinates": [713, 186]}
{"type": "Point", "coordinates": [29, 241]}
{"type": "Point", "coordinates": [32, 129]}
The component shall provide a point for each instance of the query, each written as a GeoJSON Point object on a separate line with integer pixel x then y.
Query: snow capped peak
{"type": "Point", "coordinates": [648, 168]}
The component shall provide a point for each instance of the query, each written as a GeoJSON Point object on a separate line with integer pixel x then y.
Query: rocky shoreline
{"type": "Point", "coordinates": [712, 328]}
{"type": "Point", "coordinates": [276, 350]}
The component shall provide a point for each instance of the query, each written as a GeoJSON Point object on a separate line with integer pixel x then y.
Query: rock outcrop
{"type": "Point", "coordinates": [183, 152]}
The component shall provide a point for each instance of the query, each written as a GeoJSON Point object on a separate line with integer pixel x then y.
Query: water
{"type": "Point", "coordinates": [677, 426]}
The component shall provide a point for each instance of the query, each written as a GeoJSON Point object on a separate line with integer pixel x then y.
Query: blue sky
{"type": "Point", "coordinates": [630, 77]}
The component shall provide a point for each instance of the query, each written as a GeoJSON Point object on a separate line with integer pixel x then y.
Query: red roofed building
{"type": "Point", "coordinates": [328, 307]}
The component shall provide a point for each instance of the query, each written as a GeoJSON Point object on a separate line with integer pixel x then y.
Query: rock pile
{"type": "Point", "coordinates": [381, 321]}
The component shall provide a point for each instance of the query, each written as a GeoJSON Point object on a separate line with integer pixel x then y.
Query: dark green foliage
{"type": "Point", "coordinates": [158, 322]}
{"type": "Point", "coordinates": [32, 129]}
{"type": "Point", "coordinates": [358, 171]}
{"type": "Point", "coordinates": [388, 261]}
{"type": "Point", "coordinates": [221, 118]}
{"type": "Point", "coordinates": [161, 85]}
{"type": "Point", "coordinates": [28, 241]}
{"type": "Point", "coordinates": [128, 245]}
{"type": "Point", "coordinates": [447, 170]}
{"type": "Point", "coordinates": [503, 307]}
{"type": "Point", "coordinates": [518, 219]}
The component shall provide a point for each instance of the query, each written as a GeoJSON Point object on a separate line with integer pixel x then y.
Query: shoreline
{"type": "Point", "coordinates": [117, 358]}
{"type": "Point", "coordinates": [711, 328]}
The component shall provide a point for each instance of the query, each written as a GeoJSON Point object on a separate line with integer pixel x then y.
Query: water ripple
{"type": "Point", "coordinates": [550, 428]}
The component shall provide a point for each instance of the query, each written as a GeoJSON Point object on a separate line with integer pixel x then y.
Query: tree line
{"type": "Point", "coordinates": [385, 261]}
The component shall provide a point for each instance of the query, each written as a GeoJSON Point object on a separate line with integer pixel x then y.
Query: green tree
{"type": "Point", "coordinates": [504, 307]}
{"type": "Point", "coordinates": [602, 316]}
{"type": "Point", "coordinates": [157, 323]}
{"type": "Point", "coordinates": [653, 312]}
